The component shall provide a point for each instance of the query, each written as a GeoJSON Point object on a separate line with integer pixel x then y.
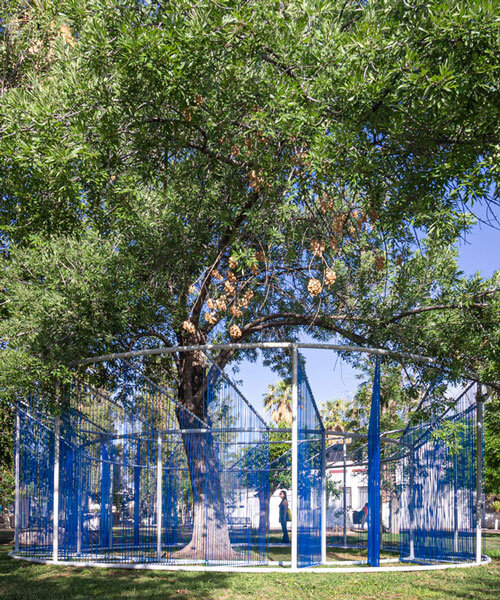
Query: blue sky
{"type": "Point", "coordinates": [480, 251]}
{"type": "Point", "coordinates": [329, 376]}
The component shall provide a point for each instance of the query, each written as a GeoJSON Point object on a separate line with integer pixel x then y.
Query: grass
{"type": "Point", "coordinates": [25, 581]}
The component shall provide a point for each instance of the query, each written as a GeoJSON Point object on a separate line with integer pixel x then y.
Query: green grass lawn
{"type": "Point", "coordinates": [24, 581]}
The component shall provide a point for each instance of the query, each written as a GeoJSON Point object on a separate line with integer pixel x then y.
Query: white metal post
{"type": "Point", "coordinates": [55, 503]}
{"type": "Point", "coordinates": [295, 457]}
{"type": "Point", "coordinates": [344, 497]}
{"type": "Point", "coordinates": [159, 507]}
{"type": "Point", "coordinates": [323, 497]}
{"type": "Point", "coordinates": [479, 468]}
{"type": "Point", "coordinates": [17, 503]}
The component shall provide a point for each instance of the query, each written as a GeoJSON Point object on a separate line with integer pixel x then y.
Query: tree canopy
{"type": "Point", "coordinates": [183, 172]}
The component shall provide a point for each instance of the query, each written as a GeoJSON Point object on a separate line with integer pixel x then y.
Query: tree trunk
{"type": "Point", "coordinates": [264, 506]}
{"type": "Point", "coordinates": [210, 538]}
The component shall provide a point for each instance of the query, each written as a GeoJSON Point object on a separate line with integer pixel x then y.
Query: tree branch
{"type": "Point", "coordinates": [284, 320]}
{"type": "Point", "coordinates": [422, 309]}
{"type": "Point", "coordinates": [160, 336]}
{"type": "Point", "coordinates": [222, 245]}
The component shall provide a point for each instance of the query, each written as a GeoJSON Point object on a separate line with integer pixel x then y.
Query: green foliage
{"type": "Point", "coordinates": [281, 478]}
{"type": "Point", "coordinates": [34, 581]}
{"type": "Point", "coordinates": [491, 445]}
{"type": "Point", "coordinates": [278, 401]}
{"type": "Point", "coordinates": [333, 490]}
{"type": "Point", "coordinates": [276, 455]}
{"type": "Point", "coordinates": [206, 171]}
{"type": "Point", "coordinates": [452, 435]}
{"type": "Point", "coordinates": [337, 415]}
{"type": "Point", "coordinates": [6, 454]}
{"type": "Point", "coordinates": [7, 486]}
{"type": "Point", "coordinates": [400, 392]}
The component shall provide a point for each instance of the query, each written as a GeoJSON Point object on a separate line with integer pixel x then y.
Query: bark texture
{"type": "Point", "coordinates": [210, 538]}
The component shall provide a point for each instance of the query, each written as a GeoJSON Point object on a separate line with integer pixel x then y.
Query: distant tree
{"type": "Point", "coordinates": [336, 414]}
{"type": "Point", "coordinates": [401, 391]}
{"type": "Point", "coordinates": [267, 467]}
{"type": "Point", "coordinates": [278, 401]}
{"type": "Point", "coordinates": [491, 447]}
{"type": "Point", "coordinates": [6, 455]}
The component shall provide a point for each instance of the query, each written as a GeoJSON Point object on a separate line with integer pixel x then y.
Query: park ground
{"type": "Point", "coordinates": [25, 581]}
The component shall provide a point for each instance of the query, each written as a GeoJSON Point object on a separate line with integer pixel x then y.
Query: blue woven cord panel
{"type": "Point", "coordinates": [438, 487]}
{"type": "Point", "coordinates": [310, 463]}
{"type": "Point", "coordinates": [215, 495]}
{"type": "Point", "coordinates": [105, 516]}
{"type": "Point", "coordinates": [374, 473]}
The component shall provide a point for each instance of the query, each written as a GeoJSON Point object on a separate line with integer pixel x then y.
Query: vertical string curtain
{"type": "Point", "coordinates": [374, 536]}
{"type": "Point", "coordinates": [438, 486]}
{"type": "Point", "coordinates": [310, 465]}
{"type": "Point", "coordinates": [134, 466]}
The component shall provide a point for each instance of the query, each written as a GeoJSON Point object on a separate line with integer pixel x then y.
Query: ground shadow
{"type": "Point", "coordinates": [20, 580]}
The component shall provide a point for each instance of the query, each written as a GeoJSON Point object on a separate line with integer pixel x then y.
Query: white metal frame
{"type": "Point", "coordinates": [293, 346]}
{"type": "Point", "coordinates": [455, 504]}
{"type": "Point", "coordinates": [159, 483]}
{"type": "Point", "coordinates": [55, 503]}
{"type": "Point", "coordinates": [17, 503]}
{"type": "Point", "coordinates": [419, 358]}
{"type": "Point", "coordinates": [479, 468]}
{"type": "Point", "coordinates": [323, 499]}
{"type": "Point", "coordinates": [228, 569]}
{"type": "Point", "coordinates": [411, 504]}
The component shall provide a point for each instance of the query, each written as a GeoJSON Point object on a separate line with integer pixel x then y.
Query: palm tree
{"type": "Point", "coordinates": [278, 401]}
{"type": "Point", "coordinates": [334, 414]}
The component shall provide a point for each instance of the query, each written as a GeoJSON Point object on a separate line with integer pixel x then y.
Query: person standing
{"type": "Point", "coordinates": [364, 516]}
{"type": "Point", "coordinates": [284, 517]}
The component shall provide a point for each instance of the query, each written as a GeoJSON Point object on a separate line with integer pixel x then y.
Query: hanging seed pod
{"type": "Point", "coordinates": [317, 247]}
{"type": "Point", "coordinates": [330, 277]}
{"type": "Point", "coordinates": [235, 311]}
{"type": "Point", "coordinates": [314, 287]}
{"type": "Point", "coordinates": [230, 288]}
{"type": "Point", "coordinates": [235, 331]}
{"type": "Point", "coordinates": [188, 326]}
{"type": "Point", "coordinates": [210, 317]}
{"type": "Point", "coordinates": [220, 304]}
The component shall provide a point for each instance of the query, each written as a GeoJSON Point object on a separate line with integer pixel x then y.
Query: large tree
{"type": "Point", "coordinates": [186, 172]}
